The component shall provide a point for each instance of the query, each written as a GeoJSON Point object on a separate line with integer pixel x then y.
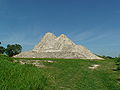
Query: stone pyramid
{"type": "Point", "coordinates": [58, 47]}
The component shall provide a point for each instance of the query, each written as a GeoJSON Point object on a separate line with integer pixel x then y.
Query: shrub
{"type": "Point", "coordinates": [117, 62]}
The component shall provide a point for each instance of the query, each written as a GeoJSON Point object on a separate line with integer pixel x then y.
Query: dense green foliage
{"type": "Point", "coordinates": [2, 49]}
{"type": "Point", "coordinates": [62, 74]}
{"type": "Point", "coordinates": [13, 49]}
{"type": "Point", "coordinates": [14, 76]}
{"type": "Point", "coordinates": [117, 62]}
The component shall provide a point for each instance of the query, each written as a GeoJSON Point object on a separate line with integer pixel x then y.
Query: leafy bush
{"type": "Point", "coordinates": [118, 67]}
{"type": "Point", "coordinates": [117, 63]}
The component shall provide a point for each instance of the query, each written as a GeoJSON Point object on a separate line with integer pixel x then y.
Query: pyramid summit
{"type": "Point", "coordinates": [58, 47]}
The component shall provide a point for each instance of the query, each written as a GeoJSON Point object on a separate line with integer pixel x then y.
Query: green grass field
{"type": "Point", "coordinates": [62, 74]}
{"type": "Point", "coordinates": [14, 76]}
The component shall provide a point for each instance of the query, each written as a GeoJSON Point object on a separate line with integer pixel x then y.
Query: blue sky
{"type": "Point", "coordinates": [92, 23]}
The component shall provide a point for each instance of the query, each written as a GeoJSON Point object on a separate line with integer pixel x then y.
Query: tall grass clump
{"type": "Point", "coordinates": [14, 76]}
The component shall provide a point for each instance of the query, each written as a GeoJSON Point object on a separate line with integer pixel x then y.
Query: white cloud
{"type": "Point", "coordinates": [13, 38]}
{"type": "Point", "coordinates": [83, 36]}
{"type": "Point", "coordinates": [98, 37]}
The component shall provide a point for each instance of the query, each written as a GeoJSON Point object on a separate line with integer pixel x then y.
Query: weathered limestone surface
{"type": "Point", "coordinates": [58, 47]}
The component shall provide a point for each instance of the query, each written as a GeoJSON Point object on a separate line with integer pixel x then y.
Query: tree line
{"type": "Point", "coordinates": [11, 49]}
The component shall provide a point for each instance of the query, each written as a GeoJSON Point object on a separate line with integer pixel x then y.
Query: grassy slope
{"type": "Point", "coordinates": [20, 77]}
{"type": "Point", "coordinates": [62, 75]}
{"type": "Point", "coordinates": [75, 75]}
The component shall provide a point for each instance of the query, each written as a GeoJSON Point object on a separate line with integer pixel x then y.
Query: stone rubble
{"type": "Point", "coordinates": [94, 66]}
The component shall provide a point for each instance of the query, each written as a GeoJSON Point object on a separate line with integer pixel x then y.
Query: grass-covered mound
{"type": "Point", "coordinates": [14, 76]}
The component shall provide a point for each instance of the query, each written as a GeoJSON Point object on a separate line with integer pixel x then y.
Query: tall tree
{"type": "Point", "coordinates": [2, 49]}
{"type": "Point", "coordinates": [12, 50]}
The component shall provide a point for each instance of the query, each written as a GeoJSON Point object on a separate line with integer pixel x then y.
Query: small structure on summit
{"type": "Point", "coordinates": [58, 47]}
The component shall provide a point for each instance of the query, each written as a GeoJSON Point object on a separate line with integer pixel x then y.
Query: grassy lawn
{"type": "Point", "coordinates": [61, 74]}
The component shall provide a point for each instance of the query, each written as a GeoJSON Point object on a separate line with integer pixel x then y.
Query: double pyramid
{"type": "Point", "coordinates": [58, 47]}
